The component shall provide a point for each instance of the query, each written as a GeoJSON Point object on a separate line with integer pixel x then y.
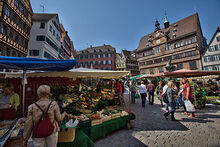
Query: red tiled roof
{"type": "Point", "coordinates": [186, 26]}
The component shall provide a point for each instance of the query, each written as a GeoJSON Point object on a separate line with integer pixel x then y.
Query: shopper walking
{"type": "Point", "coordinates": [187, 95]}
{"type": "Point", "coordinates": [133, 92]}
{"type": "Point", "coordinates": [159, 90]}
{"type": "Point", "coordinates": [171, 98]}
{"type": "Point", "coordinates": [35, 114]}
{"type": "Point", "coordinates": [163, 92]}
{"type": "Point", "coordinates": [150, 90]}
{"type": "Point", "coordinates": [143, 93]}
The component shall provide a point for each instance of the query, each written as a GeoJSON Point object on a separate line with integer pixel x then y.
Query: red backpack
{"type": "Point", "coordinates": [43, 127]}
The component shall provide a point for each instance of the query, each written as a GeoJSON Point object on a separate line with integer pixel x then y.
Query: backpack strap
{"type": "Point", "coordinates": [49, 106]}
{"type": "Point", "coordinates": [42, 109]}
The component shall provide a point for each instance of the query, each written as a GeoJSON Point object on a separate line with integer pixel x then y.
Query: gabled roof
{"type": "Point", "coordinates": [184, 27]}
{"type": "Point", "coordinates": [213, 37]}
{"type": "Point", "coordinates": [43, 16]}
{"type": "Point", "coordinates": [30, 7]}
{"type": "Point", "coordinates": [128, 55]}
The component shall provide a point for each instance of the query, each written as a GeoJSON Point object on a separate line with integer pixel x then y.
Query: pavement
{"type": "Point", "coordinates": [153, 130]}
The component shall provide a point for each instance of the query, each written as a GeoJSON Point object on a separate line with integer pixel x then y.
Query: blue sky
{"type": "Point", "coordinates": [122, 23]}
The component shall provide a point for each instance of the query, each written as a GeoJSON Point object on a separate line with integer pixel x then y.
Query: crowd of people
{"type": "Point", "coordinates": [175, 92]}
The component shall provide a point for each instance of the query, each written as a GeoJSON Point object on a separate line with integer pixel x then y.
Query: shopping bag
{"type": "Point", "coordinates": [137, 95]}
{"type": "Point", "coordinates": [189, 106]}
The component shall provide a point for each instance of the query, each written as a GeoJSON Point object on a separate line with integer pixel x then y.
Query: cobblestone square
{"type": "Point", "coordinates": [152, 129]}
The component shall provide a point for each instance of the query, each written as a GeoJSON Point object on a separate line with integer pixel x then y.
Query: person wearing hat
{"type": "Point", "coordinates": [143, 92]}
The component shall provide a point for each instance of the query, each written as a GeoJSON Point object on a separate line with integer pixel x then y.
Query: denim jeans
{"type": "Point", "coordinates": [143, 99]}
{"type": "Point", "coordinates": [161, 100]}
{"type": "Point", "coordinates": [151, 97]}
{"type": "Point", "coordinates": [166, 107]}
{"type": "Point", "coordinates": [173, 109]}
{"type": "Point", "coordinates": [133, 97]}
{"type": "Point", "coordinates": [177, 104]}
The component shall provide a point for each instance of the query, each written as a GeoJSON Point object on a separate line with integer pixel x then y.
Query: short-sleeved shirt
{"type": "Point", "coordinates": [150, 87]}
{"type": "Point", "coordinates": [142, 88]}
{"type": "Point", "coordinates": [185, 90]}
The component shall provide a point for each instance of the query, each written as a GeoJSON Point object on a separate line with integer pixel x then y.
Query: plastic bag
{"type": "Point", "coordinates": [137, 95]}
{"type": "Point", "coordinates": [189, 106]}
{"type": "Point", "coordinates": [71, 124]}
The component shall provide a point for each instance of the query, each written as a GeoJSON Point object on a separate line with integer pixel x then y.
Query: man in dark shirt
{"type": "Point", "coordinates": [150, 90]}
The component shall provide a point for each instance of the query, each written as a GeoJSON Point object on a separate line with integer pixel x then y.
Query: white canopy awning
{"type": "Point", "coordinates": [76, 73]}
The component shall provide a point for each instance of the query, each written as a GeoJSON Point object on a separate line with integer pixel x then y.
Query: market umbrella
{"type": "Point", "coordinates": [152, 75]}
{"type": "Point", "coordinates": [190, 73]}
{"type": "Point", "coordinates": [82, 73]}
{"type": "Point", "coordinates": [36, 64]}
{"type": "Point", "coordinates": [137, 77]}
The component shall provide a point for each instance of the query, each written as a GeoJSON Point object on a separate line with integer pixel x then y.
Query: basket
{"type": "Point", "coordinates": [66, 134]}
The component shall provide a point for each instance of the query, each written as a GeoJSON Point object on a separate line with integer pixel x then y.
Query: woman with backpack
{"type": "Point", "coordinates": [42, 120]}
{"type": "Point", "coordinates": [171, 100]}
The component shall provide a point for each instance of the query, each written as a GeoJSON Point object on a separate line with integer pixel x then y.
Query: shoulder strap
{"type": "Point", "coordinates": [49, 106]}
{"type": "Point", "coordinates": [42, 109]}
{"type": "Point", "coordinates": [39, 107]}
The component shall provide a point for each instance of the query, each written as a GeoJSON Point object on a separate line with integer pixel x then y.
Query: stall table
{"type": "Point", "coordinates": [105, 128]}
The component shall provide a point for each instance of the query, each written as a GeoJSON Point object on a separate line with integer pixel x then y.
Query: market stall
{"type": "Point", "coordinates": [11, 131]}
{"type": "Point", "coordinates": [98, 113]}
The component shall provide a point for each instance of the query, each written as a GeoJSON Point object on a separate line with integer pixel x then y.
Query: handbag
{"type": "Point", "coordinates": [189, 106]}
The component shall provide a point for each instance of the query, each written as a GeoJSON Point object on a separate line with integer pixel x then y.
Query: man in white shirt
{"type": "Point", "coordinates": [143, 92]}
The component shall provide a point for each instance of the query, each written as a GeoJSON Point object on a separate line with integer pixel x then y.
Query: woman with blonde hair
{"type": "Point", "coordinates": [35, 113]}
{"type": "Point", "coordinates": [171, 98]}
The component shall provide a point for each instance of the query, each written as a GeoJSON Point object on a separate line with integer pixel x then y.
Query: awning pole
{"type": "Point", "coordinates": [23, 102]}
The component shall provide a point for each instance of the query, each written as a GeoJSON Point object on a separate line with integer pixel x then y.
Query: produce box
{"type": "Point", "coordinates": [114, 116]}
{"type": "Point", "coordinates": [96, 122]}
{"type": "Point", "coordinates": [106, 118]}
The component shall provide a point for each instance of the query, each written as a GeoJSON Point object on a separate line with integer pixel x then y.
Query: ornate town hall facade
{"type": "Point", "coordinates": [181, 43]}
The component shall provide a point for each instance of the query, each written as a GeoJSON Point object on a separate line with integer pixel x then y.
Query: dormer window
{"type": "Point", "coordinates": [150, 36]}
{"type": "Point", "coordinates": [175, 25]}
{"type": "Point", "coordinates": [174, 30]}
{"type": "Point", "coordinates": [174, 35]}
